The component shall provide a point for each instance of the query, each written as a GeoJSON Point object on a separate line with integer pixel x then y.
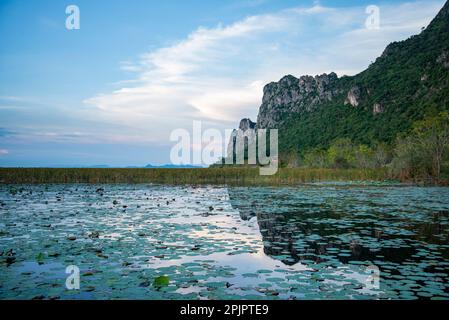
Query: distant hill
{"type": "Point", "coordinates": [104, 166]}
{"type": "Point", "coordinates": [171, 166]}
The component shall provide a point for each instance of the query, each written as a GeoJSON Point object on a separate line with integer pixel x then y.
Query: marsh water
{"type": "Point", "coordinates": [316, 241]}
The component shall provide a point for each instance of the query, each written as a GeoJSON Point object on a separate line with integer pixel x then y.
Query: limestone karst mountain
{"type": "Point", "coordinates": [408, 82]}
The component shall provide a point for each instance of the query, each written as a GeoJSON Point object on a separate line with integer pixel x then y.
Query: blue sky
{"type": "Point", "coordinates": [111, 92]}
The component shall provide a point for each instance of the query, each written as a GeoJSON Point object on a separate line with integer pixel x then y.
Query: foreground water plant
{"type": "Point", "coordinates": [314, 241]}
{"type": "Point", "coordinates": [216, 176]}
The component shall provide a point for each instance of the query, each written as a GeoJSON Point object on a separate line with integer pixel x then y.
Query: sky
{"type": "Point", "coordinates": [112, 92]}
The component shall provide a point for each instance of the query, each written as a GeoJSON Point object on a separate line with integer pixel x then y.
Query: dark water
{"type": "Point", "coordinates": [325, 241]}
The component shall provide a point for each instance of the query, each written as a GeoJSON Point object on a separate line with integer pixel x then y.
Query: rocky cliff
{"type": "Point", "coordinates": [292, 95]}
{"type": "Point", "coordinates": [244, 125]}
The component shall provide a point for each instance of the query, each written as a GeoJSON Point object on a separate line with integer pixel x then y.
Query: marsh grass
{"type": "Point", "coordinates": [216, 176]}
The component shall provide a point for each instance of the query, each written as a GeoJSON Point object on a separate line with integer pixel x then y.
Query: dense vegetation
{"type": "Point", "coordinates": [409, 83]}
{"type": "Point", "coordinates": [214, 176]}
{"type": "Point", "coordinates": [421, 154]}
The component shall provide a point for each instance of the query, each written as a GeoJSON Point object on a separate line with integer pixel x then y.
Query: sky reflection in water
{"type": "Point", "coordinates": [306, 242]}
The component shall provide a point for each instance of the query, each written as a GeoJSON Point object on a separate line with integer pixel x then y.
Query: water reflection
{"type": "Point", "coordinates": [306, 242]}
{"type": "Point", "coordinates": [402, 230]}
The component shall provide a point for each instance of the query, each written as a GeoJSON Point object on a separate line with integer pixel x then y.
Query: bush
{"type": "Point", "coordinates": [423, 153]}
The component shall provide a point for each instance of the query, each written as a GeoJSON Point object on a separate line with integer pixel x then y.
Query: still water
{"type": "Point", "coordinates": [316, 241]}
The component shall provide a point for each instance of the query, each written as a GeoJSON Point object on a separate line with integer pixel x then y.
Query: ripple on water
{"type": "Point", "coordinates": [318, 241]}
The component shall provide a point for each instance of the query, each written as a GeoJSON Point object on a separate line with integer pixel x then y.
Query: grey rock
{"type": "Point", "coordinates": [377, 108]}
{"type": "Point", "coordinates": [353, 97]}
{"type": "Point", "coordinates": [245, 124]}
{"type": "Point", "coordinates": [443, 59]}
{"type": "Point", "coordinates": [293, 95]}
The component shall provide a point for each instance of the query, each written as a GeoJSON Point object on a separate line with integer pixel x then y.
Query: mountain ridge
{"type": "Point", "coordinates": [409, 81]}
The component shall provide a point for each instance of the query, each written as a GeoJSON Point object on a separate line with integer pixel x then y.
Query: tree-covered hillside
{"type": "Point", "coordinates": [409, 82]}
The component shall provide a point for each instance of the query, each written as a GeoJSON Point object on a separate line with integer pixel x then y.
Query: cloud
{"type": "Point", "coordinates": [219, 104]}
{"type": "Point", "coordinates": [32, 120]}
{"type": "Point", "coordinates": [217, 74]}
{"type": "Point", "coordinates": [198, 77]}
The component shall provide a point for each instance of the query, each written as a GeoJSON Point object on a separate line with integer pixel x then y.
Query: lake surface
{"type": "Point", "coordinates": [317, 241]}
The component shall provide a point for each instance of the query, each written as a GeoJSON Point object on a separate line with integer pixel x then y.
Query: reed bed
{"type": "Point", "coordinates": [214, 176]}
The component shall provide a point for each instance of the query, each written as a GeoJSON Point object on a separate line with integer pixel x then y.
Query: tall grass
{"type": "Point", "coordinates": [217, 176]}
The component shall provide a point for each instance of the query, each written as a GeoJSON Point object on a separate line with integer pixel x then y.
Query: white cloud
{"type": "Point", "coordinates": [217, 74]}
{"type": "Point", "coordinates": [3, 152]}
{"type": "Point", "coordinates": [219, 104]}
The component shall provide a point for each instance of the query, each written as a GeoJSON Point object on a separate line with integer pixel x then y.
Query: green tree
{"type": "Point", "coordinates": [433, 135]}
{"type": "Point", "coordinates": [364, 156]}
{"type": "Point", "coordinates": [382, 155]}
{"type": "Point", "coordinates": [316, 158]}
{"type": "Point", "coordinates": [410, 159]}
{"type": "Point", "coordinates": [341, 153]}
{"type": "Point", "coordinates": [422, 153]}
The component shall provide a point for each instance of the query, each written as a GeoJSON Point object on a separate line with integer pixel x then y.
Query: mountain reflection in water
{"type": "Point", "coordinates": [213, 242]}
{"type": "Point", "coordinates": [341, 224]}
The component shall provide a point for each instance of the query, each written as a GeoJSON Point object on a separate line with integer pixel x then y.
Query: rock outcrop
{"type": "Point", "coordinates": [244, 125]}
{"type": "Point", "coordinates": [353, 97]}
{"type": "Point", "coordinates": [444, 59]}
{"type": "Point", "coordinates": [377, 108]}
{"type": "Point", "coordinates": [293, 95]}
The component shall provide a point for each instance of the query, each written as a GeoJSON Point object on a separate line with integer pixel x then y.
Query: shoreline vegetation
{"type": "Point", "coordinates": [420, 157]}
{"type": "Point", "coordinates": [211, 176]}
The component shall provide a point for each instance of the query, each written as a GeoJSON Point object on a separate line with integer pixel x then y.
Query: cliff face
{"type": "Point", "coordinates": [245, 124]}
{"type": "Point", "coordinates": [407, 82]}
{"type": "Point", "coordinates": [292, 95]}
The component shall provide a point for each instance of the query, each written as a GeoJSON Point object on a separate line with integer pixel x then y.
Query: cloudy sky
{"type": "Point", "coordinates": [111, 92]}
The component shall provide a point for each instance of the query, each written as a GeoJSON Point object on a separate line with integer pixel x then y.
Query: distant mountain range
{"type": "Point", "coordinates": [105, 166]}
{"type": "Point", "coordinates": [171, 166]}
